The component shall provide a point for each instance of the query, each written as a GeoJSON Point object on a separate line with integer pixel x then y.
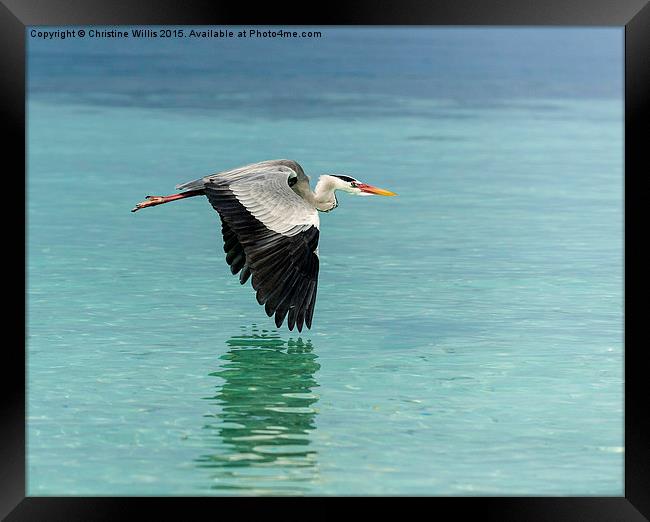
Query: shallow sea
{"type": "Point", "coordinates": [468, 334]}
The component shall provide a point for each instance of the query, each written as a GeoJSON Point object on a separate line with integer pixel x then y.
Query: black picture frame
{"type": "Point", "coordinates": [633, 15]}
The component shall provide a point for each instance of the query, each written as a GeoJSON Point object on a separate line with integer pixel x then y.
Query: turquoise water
{"type": "Point", "coordinates": [467, 337]}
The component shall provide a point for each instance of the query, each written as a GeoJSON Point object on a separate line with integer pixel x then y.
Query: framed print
{"type": "Point", "coordinates": [459, 333]}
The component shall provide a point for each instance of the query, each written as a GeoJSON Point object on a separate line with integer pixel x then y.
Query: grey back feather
{"type": "Point", "coordinates": [263, 189]}
{"type": "Point", "coordinates": [239, 172]}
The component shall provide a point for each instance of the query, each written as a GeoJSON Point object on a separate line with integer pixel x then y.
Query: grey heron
{"type": "Point", "coordinates": [270, 227]}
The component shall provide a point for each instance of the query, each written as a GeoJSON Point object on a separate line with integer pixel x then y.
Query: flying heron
{"type": "Point", "coordinates": [270, 227]}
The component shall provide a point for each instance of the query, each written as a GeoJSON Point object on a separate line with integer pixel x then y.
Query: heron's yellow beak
{"type": "Point", "coordinates": [374, 190]}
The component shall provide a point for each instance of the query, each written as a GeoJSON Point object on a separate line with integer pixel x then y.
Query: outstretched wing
{"type": "Point", "coordinates": [270, 235]}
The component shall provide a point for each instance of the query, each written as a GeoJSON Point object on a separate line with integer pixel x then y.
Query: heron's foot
{"type": "Point", "coordinates": [159, 200]}
{"type": "Point", "coordinates": [150, 201]}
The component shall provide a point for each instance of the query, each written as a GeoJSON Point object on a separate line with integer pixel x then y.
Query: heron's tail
{"type": "Point", "coordinates": [195, 184]}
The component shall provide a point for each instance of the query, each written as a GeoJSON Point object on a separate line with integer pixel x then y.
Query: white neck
{"type": "Point", "coordinates": [323, 197]}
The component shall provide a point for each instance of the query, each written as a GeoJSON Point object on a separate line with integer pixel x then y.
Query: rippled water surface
{"type": "Point", "coordinates": [467, 338]}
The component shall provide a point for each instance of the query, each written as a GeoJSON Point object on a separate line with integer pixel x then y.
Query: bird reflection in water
{"type": "Point", "coordinates": [262, 429]}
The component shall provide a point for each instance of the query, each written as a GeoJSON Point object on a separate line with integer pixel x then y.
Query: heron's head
{"type": "Point", "coordinates": [358, 188]}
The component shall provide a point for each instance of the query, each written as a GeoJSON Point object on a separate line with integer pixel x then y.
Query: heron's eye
{"type": "Point", "coordinates": [292, 181]}
{"type": "Point", "coordinates": [353, 185]}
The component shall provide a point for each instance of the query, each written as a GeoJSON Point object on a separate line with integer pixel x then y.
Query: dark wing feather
{"type": "Point", "coordinates": [283, 268]}
{"type": "Point", "coordinates": [234, 252]}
